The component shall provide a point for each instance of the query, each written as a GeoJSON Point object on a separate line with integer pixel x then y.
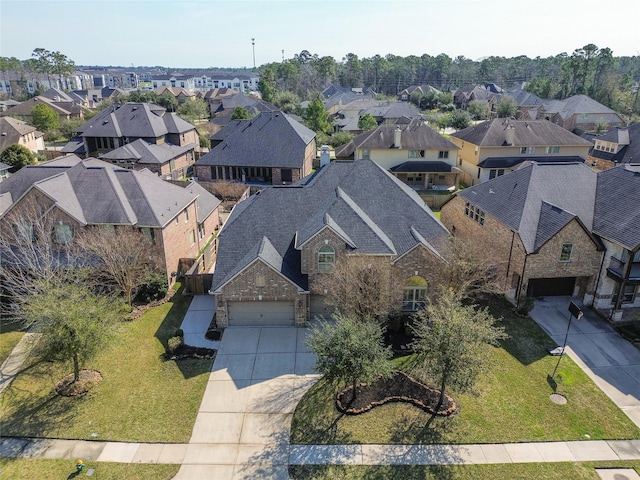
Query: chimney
{"type": "Point", "coordinates": [397, 138]}
{"type": "Point", "coordinates": [325, 155]}
{"type": "Point", "coordinates": [510, 134]}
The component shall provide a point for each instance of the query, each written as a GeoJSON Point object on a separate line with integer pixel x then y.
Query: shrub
{"type": "Point", "coordinates": [524, 306]}
{"type": "Point", "coordinates": [155, 288]}
{"type": "Point", "coordinates": [173, 344]}
{"type": "Point", "coordinates": [179, 333]}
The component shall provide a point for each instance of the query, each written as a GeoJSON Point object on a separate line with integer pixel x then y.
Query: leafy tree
{"type": "Point", "coordinates": [443, 121]}
{"type": "Point", "coordinates": [17, 156]}
{"type": "Point", "coordinates": [543, 87]}
{"type": "Point", "coordinates": [601, 126]}
{"type": "Point", "coordinates": [460, 119]}
{"type": "Point", "coordinates": [168, 101]}
{"type": "Point", "coordinates": [44, 118]}
{"type": "Point", "coordinates": [478, 110]}
{"type": "Point", "coordinates": [316, 117]}
{"type": "Point", "coordinates": [445, 98]}
{"type": "Point", "coordinates": [124, 257]}
{"type": "Point", "coordinates": [288, 102]}
{"type": "Point", "coordinates": [452, 342]}
{"type": "Point", "coordinates": [204, 141]}
{"type": "Point", "coordinates": [240, 113]}
{"type": "Point", "coordinates": [267, 85]}
{"type": "Point", "coordinates": [367, 122]}
{"type": "Point", "coordinates": [340, 138]}
{"type": "Point", "coordinates": [507, 107]}
{"type": "Point", "coordinates": [69, 127]}
{"type": "Point", "coordinates": [193, 110]}
{"type": "Point", "coordinates": [350, 351]}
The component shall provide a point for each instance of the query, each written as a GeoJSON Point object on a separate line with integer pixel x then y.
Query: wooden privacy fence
{"type": "Point", "coordinates": [197, 280]}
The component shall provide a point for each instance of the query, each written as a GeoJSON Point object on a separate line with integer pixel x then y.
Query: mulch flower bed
{"type": "Point", "coordinates": [398, 388]}
{"type": "Point", "coordinates": [86, 381]}
{"type": "Point", "coordinates": [187, 351]}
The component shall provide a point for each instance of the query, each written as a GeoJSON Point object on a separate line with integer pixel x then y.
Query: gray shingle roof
{"type": "Point", "coordinates": [418, 166]}
{"type": "Point", "coordinates": [510, 162]}
{"type": "Point", "coordinates": [535, 200]}
{"type": "Point", "coordinates": [525, 133]}
{"type": "Point", "coordinates": [148, 153]}
{"type": "Point", "coordinates": [415, 135]}
{"type": "Point", "coordinates": [628, 138]}
{"type": "Point", "coordinates": [95, 192]}
{"type": "Point", "coordinates": [344, 196]}
{"type": "Point", "coordinates": [617, 209]}
{"type": "Point", "coordinates": [271, 139]}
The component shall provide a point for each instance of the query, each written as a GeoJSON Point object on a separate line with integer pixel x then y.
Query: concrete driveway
{"type": "Point", "coordinates": [242, 428]}
{"type": "Point", "coordinates": [612, 362]}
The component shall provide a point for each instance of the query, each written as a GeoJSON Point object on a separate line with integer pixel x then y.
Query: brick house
{"type": "Point", "coordinates": [271, 148]}
{"type": "Point", "coordinates": [81, 194]}
{"type": "Point", "coordinates": [496, 147]}
{"type": "Point", "coordinates": [16, 131]}
{"type": "Point", "coordinates": [618, 146]}
{"type": "Point", "coordinates": [413, 152]}
{"type": "Point", "coordinates": [278, 244]}
{"type": "Point", "coordinates": [536, 224]}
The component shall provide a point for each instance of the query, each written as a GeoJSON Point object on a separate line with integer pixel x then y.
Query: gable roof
{"type": "Point", "coordinates": [617, 208]}
{"type": "Point", "coordinates": [139, 120]}
{"type": "Point", "coordinates": [493, 133]}
{"type": "Point", "coordinates": [415, 135]}
{"type": "Point", "coordinates": [12, 129]}
{"type": "Point", "coordinates": [538, 200]}
{"type": "Point", "coordinates": [148, 153]}
{"type": "Point", "coordinates": [94, 192]}
{"type": "Point", "coordinates": [344, 197]}
{"type": "Point", "coordinates": [628, 138]}
{"type": "Point", "coordinates": [272, 139]}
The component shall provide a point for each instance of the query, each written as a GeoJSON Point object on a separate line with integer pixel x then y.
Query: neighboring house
{"type": "Point", "coordinates": [271, 148]}
{"type": "Point", "coordinates": [618, 146]}
{"type": "Point", "coordinates": [64, 110]}
{"type": "Point", "coordinates": [7, 104]}
{"type": "Point", "coordinates": [16, 131]}
{"type": "Point", "coordinates": [238, 81]}
{"type": "Point", "coordinates": [171, 162]}
{"type": "Point", "coordinates": [69, 98]}
{"type": "Point", "coordinates": [179, 93]}
{"type": "Point", "coordinates": [80, 194]}
{"type": "Point", "coordinates": [413, 152]}
{"type": "Point", "coordinates": [173, 80]}
{"type": "Point", "coordinates": [536, 225]}
{"type": "Point", "coordinates": [496, 147]}
{"type": "Point", "coordinates": [278, 244]}
{"type": "Point", "coordinates": [617, 223]}
{"type": "Point", "coordinates": [405, 95]}
{"type": "Point", "coordinates": [223, 101]}
{"type": "Point", "coordinates": [4, 171]}
{"type": "Point", "coordinates": [488, 93]}
{"type": "Point", "coordinates": [392, 112]}
{"type": "Point", "coordinates": [121, 124]}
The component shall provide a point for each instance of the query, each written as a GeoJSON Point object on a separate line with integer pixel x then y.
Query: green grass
{"type": "Point", "coordinates": [523, 471]}
{"type": "Point", "coordinates": [142, 397]}
{"type": "Point", "coordinates": [26, 468]}
{"type": "Point", "coordinates": [10, 335]}
{"type": "Point", "coordinates": [511, 403]}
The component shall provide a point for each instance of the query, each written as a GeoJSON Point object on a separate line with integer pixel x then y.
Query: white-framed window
{"type": "Point", "coordinates": [496, 172]}
{"type": "Point", "coordinates": [414, 294]}
{"type": "Point", "coordinates": [366, 155]}
{"type": "Point", "coordinates": [565, 253]}
{"type": "Point", "coordinates": [416, 153]}
{"type": "Point", "coordinates": [525, 150]}
{"type": "Point", "coordinates": [628, 294]}
{"type": "Point", "coordinates": [552, 149]}
{"type": "Point", "coordinates": [261, 280]}
{"type": "Point", "coordinates": [443, 154]}
{"type": "Point", "coordinates": [148, 234]}
{"type": "Point", "coordinates": [326, 259]}
{"type": "Point", "coordinates": [192, 236]}
{"type": "Point", "coordinates": [201, 231]}
{"type": "Point", "coordinates": [186, 215]}
{"type": "Point", "coordinates": [64, 234]}
{"type": "Point", "coordinates": [474, 213]}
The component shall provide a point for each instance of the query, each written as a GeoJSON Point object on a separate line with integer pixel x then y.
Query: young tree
{"type": "Point", "coordinates": [125, 256]}
{"type": "Point", "coordinates": [316, 117]}
{"type": "Point", "coordinates": [460, 119]}
{"type": "Point", "coordinates": [507, 107]}
{"type": "Point", "coordinates": [288, 102]}
{"type": "Point", "coordinates": [340, 138]}
{"type": "Point", "coordinates": [240, 113]}
{"type": "Point", "coordinates": [350, 351]}
{"type": "Point", "coordinates": [452, 342]}
{"type": "Point", "coordinates": [362, 287]}
{"type": "Point", "coordinates": [267, 85]}
{"type": "Point", "coordinates": [193, 110]}
{"type": "Point", "coordinates": [367, 122]}
{"type": "Point", "coordinates": [478, 110]}
{"type": "Point", "coordinates": [44, 117]}
{"type": "Point", "coordinates": [17, 156]}
{"type": "Point", "coordinates": [167, 101]}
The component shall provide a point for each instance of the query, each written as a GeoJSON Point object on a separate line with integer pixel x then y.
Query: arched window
{"type": "Point", "coordinates": [414, 294]}
{"type": "Point", "coordinates": [326, 259]}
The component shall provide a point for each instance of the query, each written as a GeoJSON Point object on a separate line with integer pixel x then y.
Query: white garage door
{"type": "Point", "coordinates": [261, 313]}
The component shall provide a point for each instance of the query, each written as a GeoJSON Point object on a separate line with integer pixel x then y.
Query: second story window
{"type": "Point", "coordinates": [553, 149]}
{"type": "Point", "coordinates": [443, 154]}
{"type": "Point", "coordinates": [416, 153]}
{"type": "Point", "coordinates": [63, 234]}
{"type": "Point", "coordinates": [565, 253]}
{"type": "Point", "coordinates": [326, 259]}
{"type": "Point", "coordinates": [366, 155]}
{"type": "Point", "coordinates": [474, 213]}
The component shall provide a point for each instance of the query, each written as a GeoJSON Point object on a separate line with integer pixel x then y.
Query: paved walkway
{"type": "Point", "coordinates": [13, 363]}
{"type": "Point", "coordinates": [609, 360]}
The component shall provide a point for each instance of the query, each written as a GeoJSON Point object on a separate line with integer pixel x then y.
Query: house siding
{"type": "Point", "coordinates": [176, 240]}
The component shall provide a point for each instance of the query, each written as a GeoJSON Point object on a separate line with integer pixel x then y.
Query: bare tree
{"type": "Point", "coordinates": [122, 255]}
{"type": "Point", "coordinates": [363, 287]}
{"type": "Point", "coordinates": [228, 191]}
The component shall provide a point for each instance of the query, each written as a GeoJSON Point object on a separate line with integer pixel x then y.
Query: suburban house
{"type": "Point", "coordinates": [16, 131]}
{"type": "Point", "coordinates": [618, 146]}
{"type": "Point", "coordinates": [223, 101]}
{"type": "Point", "coordinates": [617, 224]}
{"type": "Point", "coordinates": [86, 193]}
{"type": "Point", "coordinates": [488, 93]}
{"type": "Point", "coordinates": [4, 171]}
{"type": "Point", "coordinates": [537, 225]}
{"type": "Point", "coordinates": [413, 152]}
{"type": "Point", "coordinates": [180, 94]}
{"type": "Point", "coordinates": [123, 124]}
{"type": "Point", "coordinates": [496, 147]}
{"type": "Point", "coordinates": [64, 110]}
{"type": "Point", "coordinates": [277, 245]}
{"type": "Point", "coordinates": [166, 160]}
{"type": "Point", "coordinates": [405, 95]}
{"type": "Point", "coordinates": [271, 148]}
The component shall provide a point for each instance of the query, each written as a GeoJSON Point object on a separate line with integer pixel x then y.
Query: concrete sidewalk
{"type": "Point", "coordinates": [13, 363]}
{"type": "Point", "coordinates": [197, 320]}
{"type": "Point", "coordinates": [609, 360]}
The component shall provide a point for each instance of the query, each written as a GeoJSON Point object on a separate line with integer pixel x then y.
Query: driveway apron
{"type": "Point", "coordinates": [242, 427]}
{"type": "Point", "coordinates": [609, 360]}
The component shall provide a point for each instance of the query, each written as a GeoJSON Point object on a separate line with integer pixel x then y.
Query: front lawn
{"type": "Point", "coordinates": [10, 335]}
{"type": "Point", "coordinates": [29, 468]}
{"type": "Point", "coordinates": [512, 403]}
{"type": "Point", "coordinates": [522, 471]}
{"type": "Point", "coordinates": [142, 398]}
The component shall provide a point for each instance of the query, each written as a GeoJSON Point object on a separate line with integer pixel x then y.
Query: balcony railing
{"type": "Point", "coordinates": [616, 269]}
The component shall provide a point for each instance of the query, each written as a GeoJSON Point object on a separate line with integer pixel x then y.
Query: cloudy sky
{"type": "Point", "coordinates": [185, 33]}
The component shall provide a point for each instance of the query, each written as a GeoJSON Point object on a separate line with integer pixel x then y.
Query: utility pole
{"type": "Point", "coordinates": [283, 57]}
{"type": "Point", "coordinates": [253, 45]}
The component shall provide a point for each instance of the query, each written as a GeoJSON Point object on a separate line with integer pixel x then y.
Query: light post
{"type": "Point", "coordinates": [253, 45]}
{"type": "Point", "coordinates": [574, 311]}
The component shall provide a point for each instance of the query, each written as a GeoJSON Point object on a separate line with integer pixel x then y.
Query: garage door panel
{"type": "Point", "coordinates": [261, 313]}
{"type": "Point", "coordinates": [551, 287]}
